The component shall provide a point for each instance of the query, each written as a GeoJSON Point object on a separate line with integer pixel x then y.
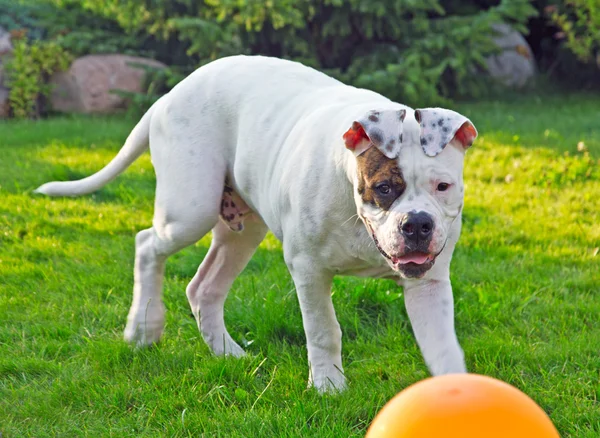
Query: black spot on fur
{"type": "Point", "coordinates": [401, 115]}
{"type": "Point", "coordinates": [376, 136]}
{"type": "Point", "coordinates": [401, 138]}
{"type": "Point", "coordinates": [374, 118]}
{"type": "Point", "coordinates": [423, 141]}
{"type": "Point", "coordinates": [440, 121]}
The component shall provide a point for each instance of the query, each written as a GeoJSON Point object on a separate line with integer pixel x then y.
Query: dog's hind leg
{"type": "Point", "coordinates": [228, 255]}
{"type": "Point", "coordinates": [146, 318]}
{"type": "Point", "coordinates": [189, 187]}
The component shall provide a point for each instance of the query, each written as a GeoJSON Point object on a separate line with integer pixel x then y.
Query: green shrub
{"type": "Point", "coordinates": [15, 16]}
{"type": "Point", "coordinates": [82, 32]}
{"type": "Point", "coordinates": [54, 33]}
{"type": "Point", "coordinates": [419, 52]}
{"type": "Point", "coordinates": [74, 28]}
{"type": "Point", "coordinates": [579, 21]}
{"type": "Point", "coordinates": [28, 72]}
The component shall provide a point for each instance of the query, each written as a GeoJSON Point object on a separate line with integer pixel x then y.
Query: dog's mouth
{"type": "Point", "coordinates": [413, 264]}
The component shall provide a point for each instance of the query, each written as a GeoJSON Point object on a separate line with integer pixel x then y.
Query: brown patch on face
{"type": "Point", "coordinates": [380, 179]}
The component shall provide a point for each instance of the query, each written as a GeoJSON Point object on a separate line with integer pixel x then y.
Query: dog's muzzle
{"type": "Point", "coordinates": [417, 229]}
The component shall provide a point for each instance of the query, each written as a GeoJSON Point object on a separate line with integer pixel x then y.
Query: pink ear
{"type": "Point", "coordinates": [466, 134]}
{"type": "Point", "coordinates": [356, 139]}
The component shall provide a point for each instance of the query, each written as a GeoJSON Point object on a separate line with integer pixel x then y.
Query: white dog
{"type": "Point", "coordinates": [250, 144]}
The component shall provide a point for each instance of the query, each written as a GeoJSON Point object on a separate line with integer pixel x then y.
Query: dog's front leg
{"type": "Point", "coordinates": [430, 308]}
{"type": "Point", "coordinates": [323, 333]}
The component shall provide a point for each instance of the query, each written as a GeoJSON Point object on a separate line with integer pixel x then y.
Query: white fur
{"type": "Point", "coordinates": [274, 128]}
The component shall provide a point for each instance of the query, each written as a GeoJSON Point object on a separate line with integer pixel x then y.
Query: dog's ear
{"type": "Point", "coordinates": [440, 126]}
{"type": "Point", "coordinates": [356, 139]}
{"type": "Point", "coordinates": [382, 129]}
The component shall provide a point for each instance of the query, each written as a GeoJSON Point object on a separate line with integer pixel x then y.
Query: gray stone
{"type": "Point", "coordinates": [6, 48]}
{"type": "Point", "coordinates": [514, 65]}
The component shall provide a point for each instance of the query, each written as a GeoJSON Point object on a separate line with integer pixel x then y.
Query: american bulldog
{"type": "Point", "coordinates": [350, 182]}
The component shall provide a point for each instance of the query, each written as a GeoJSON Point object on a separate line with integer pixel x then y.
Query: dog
{"type": "Point", "coordinates": [350, 182]}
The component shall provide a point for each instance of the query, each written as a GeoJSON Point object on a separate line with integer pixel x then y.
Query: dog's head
{"type": "Point", "coordinates": [408, 188]}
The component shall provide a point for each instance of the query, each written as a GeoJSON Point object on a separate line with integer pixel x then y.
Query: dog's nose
{"type": "Point", "coordinates": [417, 226]}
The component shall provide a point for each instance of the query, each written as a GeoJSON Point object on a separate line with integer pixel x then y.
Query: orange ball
{"type": "Point", "coordinates": [461, 406]}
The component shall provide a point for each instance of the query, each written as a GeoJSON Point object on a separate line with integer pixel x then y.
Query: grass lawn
{"type": "Point", "coordinates": [526, 280]}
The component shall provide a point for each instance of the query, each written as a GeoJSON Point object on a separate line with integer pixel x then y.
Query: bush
{"type": "Point", "coordinates": [419, 52]}
{"type": "Point", "coordinates": [48, 35]}
{"type": "Point", "coordinates": [15, 16]}
{"type": "Point", "coordinates": [580, 24]}
{"type": "Point", "coordinates": [28, 72]}
{"type": "Point", "coordinates": [82, 32]}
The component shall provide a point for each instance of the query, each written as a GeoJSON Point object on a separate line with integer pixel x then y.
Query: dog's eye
{"type": "Point", "coordinates": [384, 188]}
{"type": "Point", "coordinates": [442, 187]}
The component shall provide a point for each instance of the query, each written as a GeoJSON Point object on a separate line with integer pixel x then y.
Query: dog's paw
{"type": "Point", "coordinates": [330, 382]}
{"type": "Point", "coordinates": [145, 323]}
{"type": "Point", "coordinates": [449, 361]}
{"type": "Point", "coordinates": [143, 333]}
{"type": "Point", "coordinates": [223, 345]}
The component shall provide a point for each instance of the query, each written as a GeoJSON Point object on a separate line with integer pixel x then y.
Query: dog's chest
{"type": "Point", "coordinates": [351, 251]}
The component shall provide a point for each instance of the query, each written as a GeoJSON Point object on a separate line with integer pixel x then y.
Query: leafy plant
{"type": "Point", "coordinates": [47, 37]}
{"type": "Point", "coordinates": [579, 21]}
{"type": "Point", "coordinates": [15, 15]}
{"type": "Point", "coordinates": [28, 72]}
{"type": "Point", "coordinates": [417, 52]}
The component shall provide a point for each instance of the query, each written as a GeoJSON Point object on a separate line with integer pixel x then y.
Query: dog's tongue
{"type": "Point", "coordinates": [416, 257]}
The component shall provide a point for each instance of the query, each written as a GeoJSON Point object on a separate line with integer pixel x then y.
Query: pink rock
{"type": "Point", "coordinates": [87, 87]}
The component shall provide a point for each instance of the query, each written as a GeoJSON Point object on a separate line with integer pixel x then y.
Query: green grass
{"type": "Point", "coordinates": [526, 279]}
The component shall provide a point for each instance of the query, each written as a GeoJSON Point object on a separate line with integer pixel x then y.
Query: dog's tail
{"type": "Point", "coordinates": [134, 146]}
